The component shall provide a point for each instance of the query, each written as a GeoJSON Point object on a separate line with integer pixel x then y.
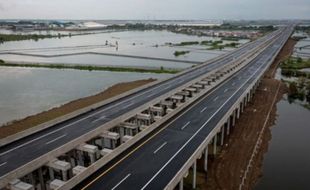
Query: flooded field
{"type": "Point", "coordinates": [26, 91]}
{"type": "Point", "coordinates": [286, 164]}
{"type": "Point", "coordinates": [137, 43]}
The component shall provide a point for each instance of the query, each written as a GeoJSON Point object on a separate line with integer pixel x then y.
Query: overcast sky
{"type": "Point", "coordinates": [155, 9]}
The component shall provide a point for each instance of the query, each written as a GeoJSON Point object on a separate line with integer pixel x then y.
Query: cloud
{"type": "Point", "coordinates": [150, 9]}
{"type": "Point", "coordinates": [1, 7]}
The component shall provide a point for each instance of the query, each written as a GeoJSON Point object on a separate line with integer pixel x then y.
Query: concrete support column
{"type": "Point", "coordinates": [228, 128]}
{"type": "Point", "coordinates": [249, 96]}
{"type": "Point", "coordinates": [214, 144]}
{"type": "Point", "coordinates": [206, 159]}
{"type": "Point", "coordinates": [234, 118]}
{"type": "Point", "coordinates": [64, 175]}
{"type": "Point", "coordinates": [41, 179]}
{"type": "Point", "coordinates": [51, 172]}
{"type": "Point", "coordinates": [31, 179]}
{"type": "Point", "coordinates": [238, 112]}
{"type": "Point", "coordinates": [92, 157]}
{"type": "Point", "coordinates": [181, 184]}
{"type": "Point", "coordinates": [222, 135]}
{"type": "Point", "coordinates": [80, 158]}
{"type": "Point", "coordinates": [194, 174]}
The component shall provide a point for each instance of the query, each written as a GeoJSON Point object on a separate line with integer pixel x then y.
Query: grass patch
{"type": "Point", "coordinates": [20, 37]}
{"type": "Point", "coordinates": [161, 70]}
{"type": "Point", "coordinates": [187, 43]}
{"type": "Point", "coordinates": [178, 53]}
{"type": "Point", "coordinates": [231, 38]}
{"type": "Point", "coordinates": [292, 67]}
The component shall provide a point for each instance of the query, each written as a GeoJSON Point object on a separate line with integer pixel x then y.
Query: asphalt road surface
{"type": "Point", "coordinates": [20, 152]}
{"type": "Point", "coordinates": [160, 157]}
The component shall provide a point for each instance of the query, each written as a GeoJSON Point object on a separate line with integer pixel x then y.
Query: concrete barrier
{"type": "Point", "coordinates": [42, 160]}
{"type": "Point", "coordinates": [182, 172]}
{"type": "Point", "coordinates": [61, 119]}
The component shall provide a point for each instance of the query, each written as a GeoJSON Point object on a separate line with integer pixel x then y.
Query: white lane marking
{"type": "Point", "coordinates": [215, 99]}
{"type": "Point", "coordinates": [160, 147]}
{"type": "Point", "coordinates": [62, 136]}
{"type": "Point", "coordinates": [3, 164]}
{"type": "Point", "coordinates": [77, 121]}
{"type": "Point", "coordinates": [150, 95]}
{"type": "Point", "coordinates": [121, 181]}
{"type": "Point", "coordinates": [225, 90]}
{"type": "Point", "coordinates": [195, 134]}
{"type": "Point", "coordinates": [91, 115]}
{"type": "Point", "coordinates": [185, 125]}
{"type": "Point", "coordinates": [204, 109]}
{"type": "Point", "coordinates": [100, 118]}
{"type": "Point", "coordinates": [167, 87]}
{"type": "Point", "coordinates": [128, 105]}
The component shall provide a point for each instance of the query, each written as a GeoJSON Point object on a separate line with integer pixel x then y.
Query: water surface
{"type": "Point", "coordinates": [286, 165]}
{"type": "Point", "coordinates": [27, 91]}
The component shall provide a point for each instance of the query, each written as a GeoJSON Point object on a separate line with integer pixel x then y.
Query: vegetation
{"type": "Point", "coordinates": [1, 61]}
{"type": "Point", "coordinates": [305, 29]}
{"type": "Point", "coordinates": [292, 67]}
{"type": "Point", "coordinates": [19, 37]}
{"type": "Point", "coordinates": [187, 43]}
{"type": "Point", "coordinates": [206, 43]}
{"type": "Point", "coordinates": [92, 68]}
{"type": "Point", "coordinates": [231, 38]}
{"type": "Point", "coordinates": [178, 53]}
{"type": "Point", "coordinates": [222, 46]}
{"type": "Point", "coordinates": [299, 89]}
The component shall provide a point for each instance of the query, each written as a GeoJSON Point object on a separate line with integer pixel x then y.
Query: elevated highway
{"type": "Point", "coordinates": [165, 158]}
{"type": "Point", "coordinates": [34, 159]}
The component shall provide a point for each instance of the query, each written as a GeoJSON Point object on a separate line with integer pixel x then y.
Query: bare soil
{"type": "Point", "coordinates": [226, 170]}
{"type": "Point", "coordinates": [34, 120]}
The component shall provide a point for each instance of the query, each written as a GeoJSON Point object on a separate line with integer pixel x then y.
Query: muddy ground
{"type": "Point", "coordinates": [227, 169]}
{"type": "Point", "coordinates": [40, 118]}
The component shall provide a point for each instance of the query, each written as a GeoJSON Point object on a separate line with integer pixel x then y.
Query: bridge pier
{"type": "Point", "coordinates": [214, 144]}
{"type": "Point", "coordinates": [144, 118]}
{"type": "Point", "coordinates": [157, 112]}
{"type": "Point", "coordinates": [234, 118]}
{"type": "Point", "coordinates": [78, 169]}
{"type": "Point", "coordinates": [222, 135]}
{"type": "Point", "coordinates": [206, 159]}
{"type": "Point", "coordinates": [181, 184]}
{"type": "Point", "coordinates": [55, 184]}
{"type": "Point", "coordinates": [128, 129]}
{"type": "Point", "coordinates": [105, 152]}
{"type": "Point", "coordinates": [62, 168]}
{"type": "Point", "coordinates": [194, 174]}
{"type": "Point", "coordinates": [87, 151]}
{"type": "Point", "coordinates": [110, 139]}
{"type": "Point", "coordinates": [168, 105]}
{"type": "Point", "coordinates": [228, 125]}
{"type": "Point", "coordinates": [178, 99]}
{"type": "Point", "coordinates": [20, 185]}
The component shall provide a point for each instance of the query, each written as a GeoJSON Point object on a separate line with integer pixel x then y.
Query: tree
{"type": "Point", "coordinates": [293, 88]}
{"type": "Point", "coordinates": [299, 60]}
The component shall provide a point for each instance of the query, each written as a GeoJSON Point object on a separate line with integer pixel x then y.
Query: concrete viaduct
{"type": "Point", "coordinates": [148, 138]}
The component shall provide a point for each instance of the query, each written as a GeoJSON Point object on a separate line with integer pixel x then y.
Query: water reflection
{"type": "Point", "coordinates": [26, 91]}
